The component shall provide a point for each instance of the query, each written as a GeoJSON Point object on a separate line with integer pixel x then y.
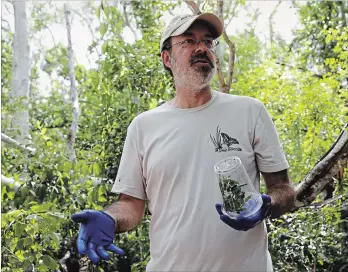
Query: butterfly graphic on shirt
{"type": "Point", "coordinates": [223, 142]}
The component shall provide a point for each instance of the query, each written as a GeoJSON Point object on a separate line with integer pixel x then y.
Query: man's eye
{"type": "Point", "coordinates": [208, 42]}
{"type": "Point", "coordinates": [191, 41]}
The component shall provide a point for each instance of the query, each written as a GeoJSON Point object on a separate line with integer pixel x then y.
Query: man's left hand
{"type": "Point", "coordinates": [245, 223]}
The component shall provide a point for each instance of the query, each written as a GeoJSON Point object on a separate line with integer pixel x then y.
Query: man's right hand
{"type": "Point", "coordinates": [96, 235]}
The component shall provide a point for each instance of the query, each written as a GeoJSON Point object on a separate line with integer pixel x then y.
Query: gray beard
{"type": "Point", "coordinates": [195, 79]}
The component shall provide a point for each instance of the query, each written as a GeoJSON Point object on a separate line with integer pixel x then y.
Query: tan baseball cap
{"type": "Point", "coordinates": [179, 24]}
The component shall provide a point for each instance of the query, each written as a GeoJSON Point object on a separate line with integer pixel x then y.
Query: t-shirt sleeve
{"type": "Point", "coordinates": [130, 179]}
{"type": "Point", "coordinates": [268, 150]}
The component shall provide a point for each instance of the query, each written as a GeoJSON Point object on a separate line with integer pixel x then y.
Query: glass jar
{"type": "Point", "coordinates": [236, 188]}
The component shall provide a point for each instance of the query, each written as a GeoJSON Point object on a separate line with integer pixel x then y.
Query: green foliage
{"type": "Point", "coordinates": [306, 240]}
{"type": "Point", "coordinates": [38, 222]}
{"type": "Point", "coordinates": [130, 80]}
{"type": "Point", "coordinates": [311, 42]}
{"type": "Point", "coordinates": [36, 225]}
{"type": "Point", "coordinates": [308, 110]}
{"type": "Point", "coordinates": [56, 60]}
{"type": "Point", "coordinates": [6, 67]}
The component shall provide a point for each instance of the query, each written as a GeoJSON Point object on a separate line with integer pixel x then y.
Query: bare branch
{"type": "Point", "coordinates": [233, 12]}
{"type": "Point", "coordinates": [6, 7]}
{"type": "Point", "coordinates": [328, 201]}
{"type": "Point", "coordinates": [127, 22]}
{"type": "Point", "coordinates": [63, 260]}
{"type": "Point", "coordinates": [323, 172]}
{"type": "Point", "coordinates": [54, 42]}
{"type": "Point", "coordinates": [220, 11]}
{"type": "Point", "coordinates": [299, 68]}
{"type": "Point", "coordinates": [9, 140]}
{"type": "Point", "coordinates": [230, 60]}
{"type": "Point", "coordinates": [6, 28]}
{"type": "Point", "coordinates": [88, 23]}
{"type": "Point", "coordinates": [270, 20]}
{"type": "Point", "coordinates": [10, 181]}
{"type": "Point", "coordinates": [219, 73]}
{"type": "Point", "coordinates": [193, 6]}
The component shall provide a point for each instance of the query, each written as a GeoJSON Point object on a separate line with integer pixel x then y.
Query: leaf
{"type": "Point", "coordinates": [41, 208]}
{"type": "Point", "coordinates": [19, 229]}
{"type": "Point", "coordinates": [84, 169]}
{"type": "Point", "coordinates": [98, 12]}
{"type": "Point", "coordinates": [14, 213]}
{"type": "Point", "coordinates": [57, 215]}
{"type": "Point", "coordinates": [153, 103]}
{"type": "Point", "coordinates": [49, 262]}
{"type": "Point", "coordinates": [20, 255]}
{"type": "Point", "coordinates": [104, 48]}
{"type": "Point", "coordinates": [106, 10]}
{"type": "Point", "coordinates": [102, 29]}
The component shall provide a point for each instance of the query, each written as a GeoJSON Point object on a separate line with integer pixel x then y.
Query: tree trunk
{"type": "Point", "coordinates": [74, 97]}
{"type": "Point", "coordinates": [21, 74]}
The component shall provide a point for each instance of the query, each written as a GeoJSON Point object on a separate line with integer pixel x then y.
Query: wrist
{"type": "Point", "coordinates": [109, 215]}
{"type": "Point", "coordinates": [268, 207]}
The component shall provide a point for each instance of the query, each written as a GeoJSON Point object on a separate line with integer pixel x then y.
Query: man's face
{"type": "Point", "coordinates": [192, 65]}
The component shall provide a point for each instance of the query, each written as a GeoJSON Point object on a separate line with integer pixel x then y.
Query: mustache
{"type": "Point", "coordinates": [201, 56]}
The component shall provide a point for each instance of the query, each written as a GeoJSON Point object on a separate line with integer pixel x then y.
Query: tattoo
{"type": "Point", "coordinates": [127, 213]}
{"type": "Point", "coordinates": [280, 189]}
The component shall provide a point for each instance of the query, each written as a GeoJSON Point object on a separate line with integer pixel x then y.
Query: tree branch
{"type": "Point", "coordinates": [233, 12]}
{"type": "Point", "coordinates": [6, 7]}
{"type": "Point", "coordinates": [328, 201]}
{"type": "Point", "coordinates": [54, 42]}
{"type": "Point", "coordinates": [9, 140]}
{"type": "Point", "coordinates": [88, 23]}
{"type": "Point", "coordinates": [323, 172]}
{"type": "Point", "coordinates": [193, 6]}
{"type": "Point", "coordinates": [231, 47]}
{"type": "Point", "coordinates": [5, 28]}
{"type": "Point", "coordinates": [219, 73]}
{"type": "Point", "coordinates": [128, 23]}
{"type": "Point", "coordinates": [62, 261]}
{"type": "Point", "coordinates": [10, 181]}
{"type": "Point", "coordinates": [8, 28]}
{"type": "Point", "coordinates": [270, 20]}
{"type": "Point", "coordinates": [299, 68]}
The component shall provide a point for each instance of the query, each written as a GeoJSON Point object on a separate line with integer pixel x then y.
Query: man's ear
{"type": "Point", "coordinates": [166, 58]}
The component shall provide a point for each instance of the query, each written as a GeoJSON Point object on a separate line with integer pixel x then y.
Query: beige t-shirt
{"type": "Point", "coordinates": [168, 159]}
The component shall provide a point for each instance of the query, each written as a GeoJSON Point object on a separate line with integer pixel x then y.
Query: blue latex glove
{"type": "Point", "coordinates": [96, 235]}
{"type": "Point", "coordinates": [247, 222]}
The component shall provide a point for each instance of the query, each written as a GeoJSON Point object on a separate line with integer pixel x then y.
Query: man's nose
{"type": "Point", "coordinates": [201, 47]}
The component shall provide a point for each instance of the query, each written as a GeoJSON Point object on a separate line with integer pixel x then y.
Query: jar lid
{"type": "Point", "coordinates": [227, 164]}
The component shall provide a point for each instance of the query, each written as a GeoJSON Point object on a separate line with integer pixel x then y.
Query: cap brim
{"type": "Point", "coordinates": [210, 18]}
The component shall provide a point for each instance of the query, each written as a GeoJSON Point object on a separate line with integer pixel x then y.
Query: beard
{"type": "Point", "coordinates": [194, 76]}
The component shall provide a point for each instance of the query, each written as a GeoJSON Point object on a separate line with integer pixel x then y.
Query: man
{"type": "Point", "coordinates": [168, 160]}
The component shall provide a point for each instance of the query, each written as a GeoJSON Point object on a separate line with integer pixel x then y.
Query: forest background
{"type": "Point", "coordinates": [64, 118]}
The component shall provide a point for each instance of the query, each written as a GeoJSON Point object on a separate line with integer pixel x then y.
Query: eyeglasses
{"type": "Point", "coordinates": [191, 42]}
